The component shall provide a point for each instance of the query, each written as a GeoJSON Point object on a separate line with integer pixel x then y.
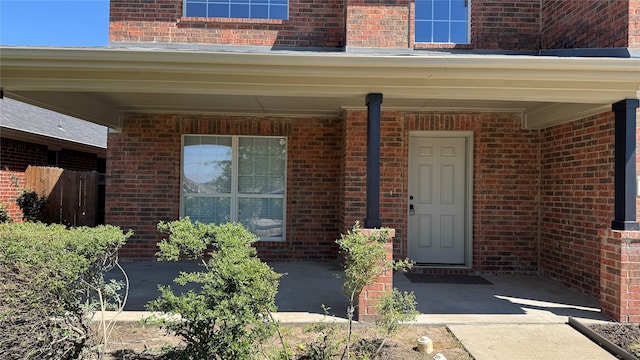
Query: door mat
{"type": "Point", "coordinates": [448, 279]}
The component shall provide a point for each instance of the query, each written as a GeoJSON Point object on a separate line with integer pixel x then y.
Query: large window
{"type": "Point", "coordinates": [238, 9]}
{"type": "Point", "coordinates": [442, 21]}
{"type": "Point", "coordinates": [237, 179]}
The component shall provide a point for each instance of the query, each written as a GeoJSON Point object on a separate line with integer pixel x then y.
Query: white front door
{"type": "Point", "coordinates": [438, 200]}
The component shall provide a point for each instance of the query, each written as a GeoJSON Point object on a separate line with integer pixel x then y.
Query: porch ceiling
{"type": "Point", "coordinates": [99, 84]}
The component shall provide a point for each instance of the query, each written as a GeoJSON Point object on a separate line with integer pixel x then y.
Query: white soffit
{"type": "Point", "coordinates": [98, 84]}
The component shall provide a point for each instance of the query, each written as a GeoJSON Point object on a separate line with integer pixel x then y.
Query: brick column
{"type": "Point", "coordinates": [370, 296]}
{"type": "Point", "coordinates": [620, 275]}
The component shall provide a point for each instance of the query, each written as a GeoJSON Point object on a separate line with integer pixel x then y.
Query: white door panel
{"type": "Point", "coordinates": [438, 200]}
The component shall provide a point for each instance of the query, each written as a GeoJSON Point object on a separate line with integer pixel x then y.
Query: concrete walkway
{"type": "Point", "coordinates": [514, 318]}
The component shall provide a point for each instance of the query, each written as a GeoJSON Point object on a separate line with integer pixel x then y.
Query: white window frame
{"type": "Point", "coordinates": [184, 11]}
{"type": "Point", "coordinates": [449, 21]}
{"type": "Point", "coordinates": [234, 195]}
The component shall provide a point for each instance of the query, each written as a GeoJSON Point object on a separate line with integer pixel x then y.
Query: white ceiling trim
{"type": "Point", "coordinates": [89, 83]}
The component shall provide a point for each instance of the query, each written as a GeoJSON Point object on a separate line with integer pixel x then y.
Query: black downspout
{"type": "Point", "coordinates": [625, 165]}
{"type": "Point", "coordinates": [372, 220]}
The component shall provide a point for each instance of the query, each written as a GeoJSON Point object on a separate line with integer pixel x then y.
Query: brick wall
{"type": "Point", "coordinates": [77, 160]}
{"type": "Point", "coordinates": [585, 24]}
{"type": "Point", "coordinates": [495, 25]}
{"type": "Point", "coordinates": [377, 24]}
{"type": "Point", "coordinates": [577, 195]}
{"type": "Point", "coordinates": [144, 174]}
{"type": "Point", "coordinates": [505, 182]}
{"type": "Point", "coordinates": [10, 184]}
{"type": "Point", "coordinates": [634, 24]}
{"type": "Point", "coordinates": [312, 23]}
{"type": "Point", "coordinates": [16, 155]}
{"type": "Point", "coordinates": [507, 25]}
{"type": "Point", "coordinates": [505, 188]}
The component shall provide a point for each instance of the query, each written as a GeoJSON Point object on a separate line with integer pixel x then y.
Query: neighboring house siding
{"type": "Point", "coordinates": [585, 24]}
{"type": "Point", "coordinates": [10, 183]}
{"type": "Point", "coordinates": [310, 24]}
{"type": "Point", "coordinates": [16, 155]}
{"type": "Point", "coordinates": [577, 192]}
{"type": "Point", "coordinates": [77, 160]}
{"type": "Point", "coordinates": [143, 179]}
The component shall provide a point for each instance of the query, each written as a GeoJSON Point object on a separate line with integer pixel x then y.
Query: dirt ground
{"type": "Point", "coordinates": [626, 336]}
{"type": "Point", "coordinates": [134, 341]}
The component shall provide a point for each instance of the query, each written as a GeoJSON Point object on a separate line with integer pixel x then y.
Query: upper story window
{"type": "Point", "coordinates": [442, 21]}
{"type": "Point", "coordinates": [238, 9]}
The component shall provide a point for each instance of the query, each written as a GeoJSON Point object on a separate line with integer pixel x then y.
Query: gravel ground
{"type": "Point", "coordinates": [626, 336]}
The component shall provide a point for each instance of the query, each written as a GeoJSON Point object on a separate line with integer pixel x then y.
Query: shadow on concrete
{"type": "Point", "coordinates": [306, 287]}
{"type": "Point", "coordinates": [528, 298]}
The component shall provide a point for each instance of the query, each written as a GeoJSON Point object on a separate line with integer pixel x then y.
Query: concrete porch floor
{"type": "Point", "coordinates": [305, 287]}
{"type": "Point", "coordinates": [515, 318]}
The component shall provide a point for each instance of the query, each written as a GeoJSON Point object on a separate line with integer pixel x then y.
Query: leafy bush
{"type": "Point", "coordinates": [230, 313]}
{"type": "Point", "coordinates": [31, 204]}
{"type": "Point", "coordinates": [4, 215]}
{"type": "Point", "coordinates": [395, 307]}
{"type": "Point", "coordinates": [46, 272]}
{"type": "Point", "coordinates": [365, 259]}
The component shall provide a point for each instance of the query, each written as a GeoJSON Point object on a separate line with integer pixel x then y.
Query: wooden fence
{"type": "Point", "coordinates": [72, 196]}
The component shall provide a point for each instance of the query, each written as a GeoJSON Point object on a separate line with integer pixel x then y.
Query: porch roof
{"type": "Point", "coordinates": [99, 84]}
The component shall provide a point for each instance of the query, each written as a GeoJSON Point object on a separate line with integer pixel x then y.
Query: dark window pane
{"type": "Point", "coordinates": [458, 10]}
{"type": "Point", "coordinates": [196, 10]}
{"type": "Point", "coordinates": [441, 10]}
{"type": "Point", "coordinates": [424, 10]}
{"type": "Point", "coordinates": [423, 31]}
{"type": "Point", "coordinates": [441, 31]}
{"type": "Point", "coordinates": [239, 11]}
{"type": "Point", "coordinates": [219, 10]}
{"type": "Point", "coordinates": [279, 12]}
{"type": "Point", "coordinates": [459, 33]}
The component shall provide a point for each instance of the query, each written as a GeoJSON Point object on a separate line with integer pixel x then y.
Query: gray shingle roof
{"type": "Point", "coordinates": [19, 116]}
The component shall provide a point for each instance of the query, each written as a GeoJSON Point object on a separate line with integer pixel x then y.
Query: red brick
{"type": "Point", "coordinates": [585, 24]}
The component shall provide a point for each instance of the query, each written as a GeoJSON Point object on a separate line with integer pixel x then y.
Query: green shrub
{"type": "Point", "coordinates": [395, 307]}
{"type": "Point", "coordinates": [230, 313]}
{"type": "Point", "coordinates": [46, 272]}
{"type": "Point", "coordinates": [365, 259]}
{"type": "Point", "coordinates": [4, 215]}
{"type": "Point", "coordinates": [32, 205]}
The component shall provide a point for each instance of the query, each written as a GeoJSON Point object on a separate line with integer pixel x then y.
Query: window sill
{"type": "Point", "coordinates": [434, 45]}
{"type": "Point", "coordinates": [205, 20]}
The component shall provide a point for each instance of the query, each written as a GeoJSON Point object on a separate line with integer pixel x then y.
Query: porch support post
{"type": "Point", "coordinates": [372, 220]}
{"type": "Point", "coordinates": [625, 165]}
